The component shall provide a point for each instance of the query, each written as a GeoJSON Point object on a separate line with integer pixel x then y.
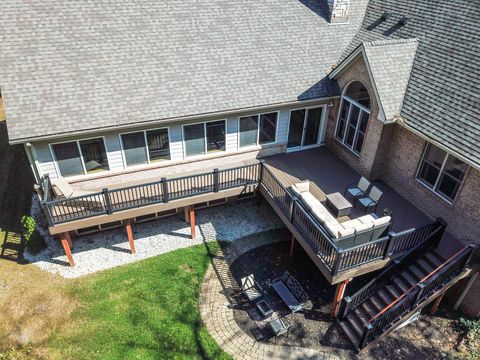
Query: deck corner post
{"type": "Point", "coordinates": [128, 228]}
{"type": "Point", "coordinates": [438, 237]}
{"type": "Point", "coordinates": [419, 295]}
{"type": "Point", "coordinates": [192, 221]}
{"type": "Point", "coordinates": [46, 211]}
{"type": "Point", "coordinates": [216, 180]}
{"type": "Point", "coordinates": [388, 248]}
{"type": "Point", "coordinates": [291, 207]}
{"type": "Point", "coordinates": [344, 310]}
{"type": "Point", "coordinates": [365, 336]}
{"type": "Point", "coordinates": [108, 204]}
{"type": "Point", "coordinates": [260, 172]}
{"type": "Point", "coordinates": [66, 243]}
{"type": "Point", "coordinates": [336, 265]}
{"type": "Point", "coordinates": [164, 189]}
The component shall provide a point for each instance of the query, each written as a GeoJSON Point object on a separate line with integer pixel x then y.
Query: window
{"type": "Point", "coordinates": [80, 157]}
{"type": "Point", "coordinates": [145, 147]}
{"type": "Point", "coordinates": [353, 117]}
{"type": "Point", "coordinates": [158, 145]}
{"type": "Point", "coordinates": [441, 172]}
{"type": "Point", "coordinates": [204, 138]}
{"type": "Point", "coordinates": [258, 129]}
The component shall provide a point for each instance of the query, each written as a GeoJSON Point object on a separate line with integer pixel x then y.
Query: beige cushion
{"type": "Point", "coordinates": [63, 188]}
{"type": "Point", "coordinates": [303, 186]}
{"type": "Point", "coordinates": [351, 223]}
{"type": "Point", "coordinates": [295, 190]}
{"type": "Point", "coordinates": [332, 228]}
{"type": "Point", "coordinates": [343, 232]}
{"type": "Point", "coordinates": [309, 200]}
{"type": "Point", "coordinates": [367, 219]}
{"type": "Point", "coordinates": [381, 221]}
{"type": "Point", "coordinates": [363, 227]}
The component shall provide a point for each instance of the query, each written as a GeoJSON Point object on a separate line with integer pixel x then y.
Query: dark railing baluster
{"type": "Point", "coordinates": [108, 204]}
{"type": "Point", "coordinates": [165, 189]}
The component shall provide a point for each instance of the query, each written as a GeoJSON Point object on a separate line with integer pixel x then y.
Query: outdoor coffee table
{"type": "Point", "coordinates": [264, 308]}
{"type": "Point", "coordinates": [338, 204]}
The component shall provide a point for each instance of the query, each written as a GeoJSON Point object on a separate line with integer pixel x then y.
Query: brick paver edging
{"type": "Point", "coordinates": [218, 316]}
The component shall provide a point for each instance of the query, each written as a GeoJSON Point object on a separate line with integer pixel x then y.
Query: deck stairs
{"type": "Point", "coordinates": [400, 291]}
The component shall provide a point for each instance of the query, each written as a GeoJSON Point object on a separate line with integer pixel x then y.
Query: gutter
{"type": "Point", "coordinates": [167, 120]}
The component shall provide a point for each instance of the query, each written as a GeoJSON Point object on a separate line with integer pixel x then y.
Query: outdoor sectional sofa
{"type": "Point", "coordinates": [347, 234]}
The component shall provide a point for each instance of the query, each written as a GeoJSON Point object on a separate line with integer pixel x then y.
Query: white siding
{"type": "Point", "coordinates": [114, 152]}
{"type": "Point", "coordinates": [232, 134]}
{"type": "Point", "coordinates": [176, 142]}
{"type": "Point", "coordinates": [282, 131]}
{"type": "Point", "coordinates": [45, 160]}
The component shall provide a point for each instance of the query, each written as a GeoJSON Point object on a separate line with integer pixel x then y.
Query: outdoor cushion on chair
{"type": "Point", "coordinates": [61, 188]}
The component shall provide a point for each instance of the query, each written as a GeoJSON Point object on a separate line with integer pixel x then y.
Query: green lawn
{"type": "Point", "coordinates": [146, 310]}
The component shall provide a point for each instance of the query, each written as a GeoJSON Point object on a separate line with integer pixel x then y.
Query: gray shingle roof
{"type": "Point", "coordinates": [76, 66]}
{"type": "Point", "coordinates": [390, 63]}
{"type": "Point", "coordinates": [442, 100]}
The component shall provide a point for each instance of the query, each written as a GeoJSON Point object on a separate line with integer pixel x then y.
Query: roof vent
{"type": "Point", "coordinates": [385, 16]}
{"type": "Point", "coordinates": [403, 20]}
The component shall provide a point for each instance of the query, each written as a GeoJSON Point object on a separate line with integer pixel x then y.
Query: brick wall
{"type": "Point", "coordinates": [462, 216]}
{"type": "Point", "coordinates": [370, 161]}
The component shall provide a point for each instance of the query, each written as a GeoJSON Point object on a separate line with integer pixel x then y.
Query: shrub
{"type": "Point", "coordinates": [35, 242]}
{"type": "Point", "coordinates": [472, 337]}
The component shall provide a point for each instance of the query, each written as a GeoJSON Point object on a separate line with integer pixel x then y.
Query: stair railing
{"type": "Point", "coordinates": [416, 295]}
{"type": "Point", "coordinates": [436, 231]}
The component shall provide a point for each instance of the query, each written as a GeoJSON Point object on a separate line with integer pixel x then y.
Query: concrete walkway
{"type": "Point", "coordinates": [218, 315]}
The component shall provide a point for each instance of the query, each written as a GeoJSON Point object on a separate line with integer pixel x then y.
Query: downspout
{"type": "Point", "coordinates": [31, 160]}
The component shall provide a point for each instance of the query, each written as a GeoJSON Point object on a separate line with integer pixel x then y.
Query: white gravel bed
{"type": "Point", "coordinates": [107, 249]}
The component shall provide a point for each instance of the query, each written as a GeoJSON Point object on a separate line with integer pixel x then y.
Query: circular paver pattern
{"type": "Point", "coordinates": [218, 315]}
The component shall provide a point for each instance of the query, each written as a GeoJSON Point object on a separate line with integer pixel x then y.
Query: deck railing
{"type": "Point", "coordinates": [337, 259]}
{"type": "Point", "coordinates": [111, 201]}
{"type": "Point", "coordinates": [425, 289]}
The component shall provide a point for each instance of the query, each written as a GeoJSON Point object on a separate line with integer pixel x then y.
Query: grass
{"type": "Point", "coordinates": [145, 310]}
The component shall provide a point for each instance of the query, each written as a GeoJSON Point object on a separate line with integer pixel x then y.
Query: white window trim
{"type": "Point", "coordinates": [357, 128]}
{"type": "Point", "coordinates": [206, 154]}
{"type": "Point", "coordinates": [321, 129]}
{"type": "Point", "coordinates": [77, 141]}
{"type": "Point", "coordinates": [437, 181]}
{"type": "Point", "coordinates": [125, 166]}
{"type": "Point", "coordinates": [257, 145]}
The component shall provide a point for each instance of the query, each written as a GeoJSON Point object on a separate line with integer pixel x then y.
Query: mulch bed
{"type": "Point", "coordinates": [431, 337]}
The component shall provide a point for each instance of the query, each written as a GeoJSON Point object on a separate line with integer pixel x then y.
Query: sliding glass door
{"type": "Point", "coordinates": [304, 128]}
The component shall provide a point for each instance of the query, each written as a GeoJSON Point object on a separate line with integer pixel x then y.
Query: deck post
{"type": "Point", "coordinates": [66, 241]}
{"type": "Point", "coordinates": [186, 214]}
{"type": "Point", "coordinates": [260, 172]}
{"type": "Point", "coordinates": [128, 228]}
{"type": "Point", "coordinates": [216, 180]}
{"type": "Point", "coordinates": [339, 292]}
{"type": "Point", "coordinates": [388, 248]}
{"type": "Point", "coordinates": [47, 212]}
{"type": "Point", "coordinates": [465, 291]}
{"type": "Point", "coordinates": [192, 221]}
{"type": "Point", "coordinates": [438, 237]}
{"type": "Point", "coordinates": [292, 245]}
{"type": "Point", "coordinates": [108, 204]}
{"type": "Point", "coordinates": [436, 304]}
{"type": "Point", "coordinates": [164, 189]}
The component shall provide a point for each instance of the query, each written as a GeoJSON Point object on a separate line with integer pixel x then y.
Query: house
{"type": "Point", "coordinates": [112, 99]}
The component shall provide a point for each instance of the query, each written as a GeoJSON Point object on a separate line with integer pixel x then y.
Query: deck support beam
{"type": "Point", "coordinates": [192, 221]}
{"type": "Point", "coordinates": [465, 290]}
{"type": "Point", "coordinates": [186, 214]}
{"type": "Point", "coordinates": [292, 246]}
{"type": "Point", "coordinates": [128, 228]}
{"type": "Point", "coordinates": [337, 299]}
{"type": "Point", "coordinates": [436, 304]}
{"type": "Point", "coordinates": [67, 243]}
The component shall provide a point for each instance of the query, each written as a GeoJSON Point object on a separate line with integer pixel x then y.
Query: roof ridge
{"type": "Point", "coordinates": [383, 42]}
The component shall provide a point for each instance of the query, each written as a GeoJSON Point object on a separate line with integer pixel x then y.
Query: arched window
{"type": "Point", "coordinates": [353, 117]}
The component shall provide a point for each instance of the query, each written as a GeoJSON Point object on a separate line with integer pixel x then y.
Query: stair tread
{"type": "Point", "coordinates": [393, 291]}
{"type": "Point", "coordinates": [416, 272]}
{"type": "Point", "coordinates": [438, 256]}
{"type": "Point", "coordinates": [378, 304]}
{"type": "Point", "coordinates": [434, 260]}
{"type": "Point", "coordinates": [400, 284]}
{"type": "Point", "coordinates": [408, 278]}
{"type": "Point", "coordinates": [425, 266]}
{"type": "Point", "coordinates": [368, 309]}
{"type": "Point", "coordinates": [355, 324]}
{"type": "Point", "coordinates": [383, 294]}
{"type": "Point", "coordinates": [350, 334]}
